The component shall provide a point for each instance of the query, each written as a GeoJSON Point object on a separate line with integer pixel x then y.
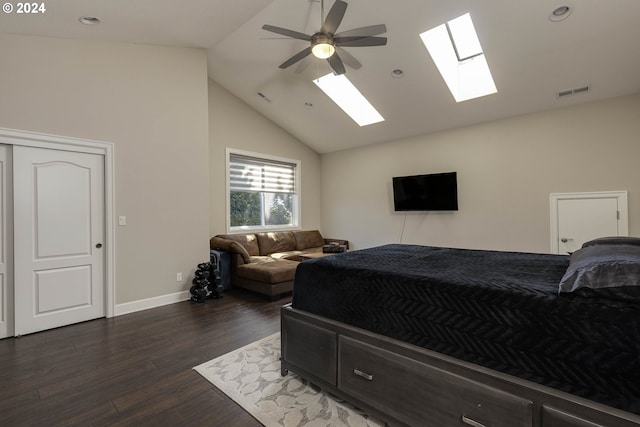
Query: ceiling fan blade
{"type": "Point", "coordinates": [348, 59]}
{"type": "Point", "coordinates": [286, 32]}
{"type": "Point", "coordinates": [334, 17]}
{"type": "Point", "coordinates": [372, 30]}
{"type": "Point", "coordinates": [302, 65]}
{"type": "Point", "coordinates": [336, 64]}
{"type": "Point", "coordinates": [360, 41]}
{"type": "Point", "coordinates": [295, 58]}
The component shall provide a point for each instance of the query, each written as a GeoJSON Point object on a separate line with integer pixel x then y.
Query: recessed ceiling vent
{"type": "Point", "coordinates": [583, 89]}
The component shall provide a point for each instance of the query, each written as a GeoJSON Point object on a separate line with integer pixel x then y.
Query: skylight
{"type": "Point", "coordinates": [348, 97]}
{"type": "Point", "coordinates": [456, 51]}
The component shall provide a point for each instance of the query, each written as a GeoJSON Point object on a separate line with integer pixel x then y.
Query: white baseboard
{"type": "Point", "coordinates": [145, 304]}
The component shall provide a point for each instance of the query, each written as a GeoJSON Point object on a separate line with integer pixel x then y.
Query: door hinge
{"type": "Point", "coordinates": [618, 215]}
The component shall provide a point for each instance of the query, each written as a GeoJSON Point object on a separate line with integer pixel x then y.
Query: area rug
{"type": "Point", "coordinates": [251, 377]}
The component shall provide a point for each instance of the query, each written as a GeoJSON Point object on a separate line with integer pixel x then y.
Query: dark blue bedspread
{"type": "Point", "coordinates": [500, 310]}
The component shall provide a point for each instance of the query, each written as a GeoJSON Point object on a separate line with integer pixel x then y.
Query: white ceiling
{"type": "Point", "coordinates": [531, 58]}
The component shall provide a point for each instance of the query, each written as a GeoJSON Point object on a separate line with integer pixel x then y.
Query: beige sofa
{"type": "Point", "coordinates": [266, 262]}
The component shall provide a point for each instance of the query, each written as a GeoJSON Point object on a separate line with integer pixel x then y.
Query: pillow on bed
{"type": "Point", "coordinates": [616, 240]}
{"type": "Point", "coordinates": [603, 267]}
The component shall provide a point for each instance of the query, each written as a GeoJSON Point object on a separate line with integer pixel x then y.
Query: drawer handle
{"type": "Point", "coordinates": [468, 421]}
{"type": "Point", "coordinates": [364, 375]}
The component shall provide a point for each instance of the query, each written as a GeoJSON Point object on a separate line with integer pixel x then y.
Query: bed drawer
{"type": "Point", "coordinates": [420, 395]}
{"type": "Point", "coordinates": [556, 418]}
{"type": "Point", "coordinates": [311, 349]}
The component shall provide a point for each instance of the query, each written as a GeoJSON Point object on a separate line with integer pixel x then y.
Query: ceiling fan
{"type": "Point", "coordinates": [326, 44]}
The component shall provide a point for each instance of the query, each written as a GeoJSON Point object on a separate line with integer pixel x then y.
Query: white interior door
{"type": "Point", "coordinates": [6, 244]}
{"type": "Point", "coordinates": [58, 237]}
{"type": "Point", "coordinates": [579, 217]}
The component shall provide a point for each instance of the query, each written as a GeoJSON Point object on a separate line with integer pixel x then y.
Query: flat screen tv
{"type": "Point", "coordinates": [431, 192]}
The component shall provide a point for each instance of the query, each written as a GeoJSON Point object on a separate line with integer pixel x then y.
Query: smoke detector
{"type": "Point", "coordinates": [560, 13]}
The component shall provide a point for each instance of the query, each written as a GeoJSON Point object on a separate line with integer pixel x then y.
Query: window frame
{"type": "Point", "coordinates": [296, 211]}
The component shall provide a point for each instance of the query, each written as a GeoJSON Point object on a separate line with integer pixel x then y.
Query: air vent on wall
{"type": "Point", "coordinates": [575, 91]}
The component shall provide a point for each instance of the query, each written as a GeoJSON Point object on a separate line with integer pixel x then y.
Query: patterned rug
{"type": "Point", "coordinates": [251, 377]}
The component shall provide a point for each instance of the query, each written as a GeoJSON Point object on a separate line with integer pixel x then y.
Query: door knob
{"type": "Point", "coordinates": [99, 245]}
{"type": "Point", "coordinates": [565, 240]}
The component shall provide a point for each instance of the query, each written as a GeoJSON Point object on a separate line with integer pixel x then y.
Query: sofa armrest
{"type": "Point", "coordinates": [230, 246]}
{"type": "Point", "coordinates": [339, 241]}
{"type": "Point", "coordinates": [236, 260]}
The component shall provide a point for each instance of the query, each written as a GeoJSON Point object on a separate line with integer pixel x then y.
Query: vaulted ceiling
{"type": "Point", "coordinates": [531, 57]}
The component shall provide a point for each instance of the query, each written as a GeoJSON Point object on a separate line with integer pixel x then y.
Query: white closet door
{"type": "Point", "coordinates": [59, 233]}
{"type": "Point", "coordinates": [579, 217]}
{"type": "Point", "coordinates": [6, 244]}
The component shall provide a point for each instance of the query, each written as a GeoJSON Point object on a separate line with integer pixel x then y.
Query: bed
{"type": "Point", "coordinates": [436, 336]}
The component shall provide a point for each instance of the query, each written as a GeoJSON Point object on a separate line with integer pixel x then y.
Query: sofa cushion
{"type": "Point", "coordinates": [249, 241]}
{"type": "Point", "coordinates": [294, 255]}
{"type": "Point", "coordinates": [276, 241]}
{"type": "Point", "coordinates": [308, 239]}
{"type": "Point", "coordinates": [268, 270]}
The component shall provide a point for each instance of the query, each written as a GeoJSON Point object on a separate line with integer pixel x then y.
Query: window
{"type": "Point", "coordinates": [348, 97]}
{"type": "Point", "coordinates": [263, 191]}
{"type": "Point", "coordinates": [456, 51]}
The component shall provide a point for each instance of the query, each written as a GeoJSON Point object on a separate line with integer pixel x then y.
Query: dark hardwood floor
{"type": "Point", "coordinates": [132, 370]}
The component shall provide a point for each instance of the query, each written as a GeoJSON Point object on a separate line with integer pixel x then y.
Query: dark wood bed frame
{"type": "Point", "coordinates": [403, 384]}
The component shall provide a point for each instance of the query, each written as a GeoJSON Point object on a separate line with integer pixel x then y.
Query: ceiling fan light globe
{"type": "Point", "coordinates": [323, 50]}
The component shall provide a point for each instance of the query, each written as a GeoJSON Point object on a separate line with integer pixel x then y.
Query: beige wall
{"type": "Point", "coordinates": [506, 171]}
{"type": "Point", "coordinates": [151, 102]}
{"type": "Point", "coordinates": [234, 124]}
{"type": "Point", "coordinates": [170, 127]}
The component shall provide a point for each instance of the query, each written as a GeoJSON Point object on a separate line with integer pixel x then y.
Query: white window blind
{"type": "Point", "coordinates": [261, 175]}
